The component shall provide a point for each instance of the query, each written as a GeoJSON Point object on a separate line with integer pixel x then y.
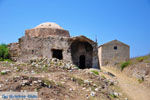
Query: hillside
{"type": "Point", "coordinates": [130, 86]}
{"type": "Point", "coordinates": [55, 79]}
{"type": "Point", "coordinates": [139, 68]}
{"type": "Point", "coordinates": [133, 77]}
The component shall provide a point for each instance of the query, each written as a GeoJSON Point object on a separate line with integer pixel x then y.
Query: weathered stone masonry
{"type": "Point", "coordinates": [113, 52]}
{"type": "Point", "coordinates": [51, 41]}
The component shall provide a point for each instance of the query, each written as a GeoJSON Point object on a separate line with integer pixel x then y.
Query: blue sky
{"type": "Point", "coordinates": [125, 20]}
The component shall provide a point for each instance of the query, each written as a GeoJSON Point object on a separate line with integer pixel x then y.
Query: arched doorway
{"type": "Point", "coordinates": [82, 54]}
{"type": "Point", "coordinates": [82, 62]}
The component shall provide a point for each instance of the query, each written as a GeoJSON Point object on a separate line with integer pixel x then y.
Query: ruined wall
{"type": "Point", "coordinates": [79, 49]}
{"type": "Point", "coordinates": [46, 32]}
{"type": "Point", "coordinates": [14, 51]}
{"type": "Point", "coordinates": [109, 55]}
{"type": "Point", "coordinates": [35, 47]}
{"type": "Point", "coordinates": [84, 46]}
{"type": "Point", "coordinates": [49, 40]}
{"type": "Point", "coordinates": [95, 60]}
{"type": "Point", "coordinates": [38, 47]}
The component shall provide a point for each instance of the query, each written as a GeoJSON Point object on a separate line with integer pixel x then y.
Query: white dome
{"type": "Point", "coordinates": [49, 25]}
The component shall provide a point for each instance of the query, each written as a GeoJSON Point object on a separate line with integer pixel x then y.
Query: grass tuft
{"type": "Point", "coordinates": [78, 80]}
{"type": "Point", "coordinates": [125, 64]}
{"type": "Point", "coordinates": [95, 72]}
{"type": "Point", "coordinates": [113, 96]}
{"type": "Point", "coordinates": [141, 80]}
{"type": "Point", "coordinates": [141, 59]}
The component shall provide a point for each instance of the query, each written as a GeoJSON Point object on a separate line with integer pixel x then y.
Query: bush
{"type": "Point", "coordinates": [4, 52]}
{"type": "Point", "coordinates": [141, 59]}
{"type": "Point", "coordinates": [3, 73]}
{"type": "Point", "coordinates": [125, 64]}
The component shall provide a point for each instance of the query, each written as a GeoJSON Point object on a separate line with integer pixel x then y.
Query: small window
{"type": "Point", "coordinates": [57, 54]}
{"type": "Point", "coordinates": [115, 48]}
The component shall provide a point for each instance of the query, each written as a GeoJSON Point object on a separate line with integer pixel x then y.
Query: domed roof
{"type": "Point", "coordinates": [49, 25]}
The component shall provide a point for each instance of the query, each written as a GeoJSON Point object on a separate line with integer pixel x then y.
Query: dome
{"type": "Point", "coordinates": [49, 25]}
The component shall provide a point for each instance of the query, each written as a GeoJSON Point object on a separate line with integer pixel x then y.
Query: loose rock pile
{"type": "Point", "coordinates": [45, 62]}
{"type": "Point", "coordinates": [56, 79]}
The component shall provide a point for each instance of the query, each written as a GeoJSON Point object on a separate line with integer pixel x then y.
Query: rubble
{"type": "Point", "coordinates": [54, 62]}
{"type": "Point", "coordinates": [54, 79]}
{"type": "Point", "coordinates": [3, 72]}
{"type": "Point", "coordinates": [92, 93]}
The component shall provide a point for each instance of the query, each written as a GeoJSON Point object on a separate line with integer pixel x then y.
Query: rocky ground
{"type": "Point", "coordinates": [130, 86]}
{"type": "Point", "coordinates": [139, 68]}
{"type": "Point", "coordinates": [55, 79]}
{"type": "Point", "coordinates": [134, 79]}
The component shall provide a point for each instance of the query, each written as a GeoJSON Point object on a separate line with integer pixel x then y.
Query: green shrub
{"type": "Point", "coordinates": [3, 73]}
{"type": "Point", "coordinates": [113, 96]}
{"type": "Point", "coordinates": [4, 52]}
{"type": "Point", "coordinates": [125, 64]}
{"type": "Point", "coordinates": [95, 72]}
{"type": "Point", "coordinates": [141, 59]}
{"type": "Point", "coordinates": [141, 80]}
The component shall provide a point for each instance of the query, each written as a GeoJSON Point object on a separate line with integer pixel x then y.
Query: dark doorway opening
{"type": "Point", "coordinates": [82, 62]}
{"type": "Point", "coordinates": [57, 54]}
{"type": "Point", "coordinates": [82, 54]}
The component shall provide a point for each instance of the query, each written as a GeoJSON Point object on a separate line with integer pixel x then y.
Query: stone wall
{"type": "Point", "coordinates": [82, 49]}
{"type": "Point", "coordinates": [46, 32]}
{"type": "Point", "coordinates": [35, 47]}
{"type": "Point", "coordinates": [113, 52]}
{"type": "Point", "coordinates": [81, 45]}
{"type": "Point", "coordinates": [14, 51]}
{"type": "Point", "coordinates": [39, 47]}
{"type": "Point", "coordinates": [49, 40]}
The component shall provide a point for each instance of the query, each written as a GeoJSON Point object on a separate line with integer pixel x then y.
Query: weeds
{"type": "Point", "coordinates": [48, 82]}
{"type": "Point", "coordinates": [147, 61]}
{"type": "Point", "coordinates": [125, 64]}
{"type": "Point", "coordinates": [141, 80]}
{"type": "Point", "coordinates": [113, 96]}
{"type": "Point", "coordinates": [103, 77]}
{"type": "Point", "coordinates": [141, 59]}
{"type": "Point", "coordinates": [95, 72]}
{"type": "Point", "coordinates": [19, 69]}
{"type": "Point", "coordinates": [60, 84]}
{"type": "Point", "coordinates": [78, 80]}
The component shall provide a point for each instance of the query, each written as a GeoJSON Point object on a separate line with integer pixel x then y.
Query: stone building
{"type": "Point", "coordinates": [52, 41]}
{"type": "Point", "coordinates": [113, 52]}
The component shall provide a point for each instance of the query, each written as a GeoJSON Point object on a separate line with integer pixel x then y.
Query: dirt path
{"type": "Point", "coordinates": [130, 86]}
